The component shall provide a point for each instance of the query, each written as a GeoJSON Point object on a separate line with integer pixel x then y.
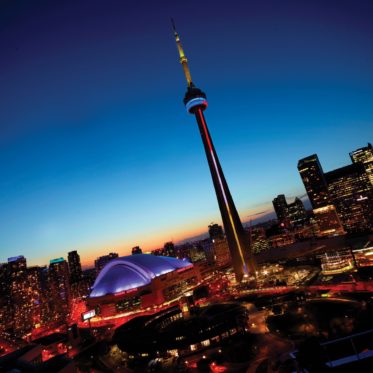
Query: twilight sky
{"type": "Point", "coordinates": [97, 152]}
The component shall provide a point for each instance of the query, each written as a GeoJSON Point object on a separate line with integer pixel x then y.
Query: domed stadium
{"type": "Point", "coordinates": [136, 282]}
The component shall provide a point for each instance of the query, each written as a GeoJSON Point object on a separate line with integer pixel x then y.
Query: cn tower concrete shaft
{"type": "Point", "coordinates": [237, 238]}
{"type": "Point", "coordinates": [238, 241]}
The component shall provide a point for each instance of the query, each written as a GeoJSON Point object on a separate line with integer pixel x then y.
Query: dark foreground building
{"type": "Point", "coordinates": [195, 103]}
{"type": "Point", "coordinates": [169, 332]}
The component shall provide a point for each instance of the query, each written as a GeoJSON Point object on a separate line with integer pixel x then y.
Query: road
{"type": "Point", "coordinates": [257, 322]}
{"type": "Point", "coordinates": [271, 348]}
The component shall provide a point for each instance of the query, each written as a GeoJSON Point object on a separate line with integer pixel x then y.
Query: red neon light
{"type": "Point", "coordinates": [184, 269]}
{"type": "Point", "coordinates": [126, 292]}
{"type": "Point", "coordinates": [217, 368]}
{"type": "Point", "coordinates": [221, 187]}
{"type": "Point", "coordinates": [205, 129]}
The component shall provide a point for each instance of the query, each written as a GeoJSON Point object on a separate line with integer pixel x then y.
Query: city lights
{"type": "Point", "coordinates": [118, 254]}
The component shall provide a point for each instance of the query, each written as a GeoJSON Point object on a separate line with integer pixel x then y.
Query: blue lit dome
{"type": "Point", "coordinates": [133, 271]}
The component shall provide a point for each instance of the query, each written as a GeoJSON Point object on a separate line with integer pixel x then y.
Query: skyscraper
{"type": "Point", "coordinates": [75, 266]}
{"type": "Point", "coordinates": [316, 186]}
{"type": "Point", "coordinates": [59, 288]}
{"type": "Point", "coordinates": [296, 213]}
{"type": "Point", "coordinates": [5, 304]}
{"type": "Point", "coordinates": [347, 191]}
{"type": "Point", "coordinates": [314, 181]}
{"type": "Point", "coordinates": [352, 194]}
{"type": "Point", "coordinates": [195, 103]}
{"type": "Point", "coordinates": [18, 292]}
{"type": "Point", "coordinates": [365, 156]}
{"type": "Point", "coordinates": [280, 206]}
{"type": "Point", "coordinates": [35, 296]}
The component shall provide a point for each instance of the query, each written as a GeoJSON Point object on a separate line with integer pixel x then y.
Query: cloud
{"type": "Point", "coordinates": [259, 213]}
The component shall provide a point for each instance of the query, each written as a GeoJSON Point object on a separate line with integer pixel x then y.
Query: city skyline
{"type": "Point", "coordinates": [265, 216]}
{"type": "Point", "coordinates": [88, 181]}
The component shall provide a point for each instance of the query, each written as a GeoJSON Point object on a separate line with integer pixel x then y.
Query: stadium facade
{"type": "Point", "coordinates": [136, 282]}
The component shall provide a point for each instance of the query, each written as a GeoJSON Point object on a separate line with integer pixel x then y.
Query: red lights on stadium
{"type": "Point", "coordinates": [134, 290]}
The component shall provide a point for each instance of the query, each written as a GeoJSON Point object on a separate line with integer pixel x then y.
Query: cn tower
{"type": "Point", "coordinates": [195, 103]}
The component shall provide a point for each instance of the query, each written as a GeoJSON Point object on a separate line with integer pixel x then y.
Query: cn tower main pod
{"type": "Point", "coordinates": [238, 242]}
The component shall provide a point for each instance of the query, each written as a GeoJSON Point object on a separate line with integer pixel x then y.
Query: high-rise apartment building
{"type": "Point", "coordinates": [59, 286]}
{"type": "Point", "coordinates": [79, 285]}
{"type": "Point", "coordinates": [5, 304]}
{"type": "Point", "coordinates": [36, 298]}
{"type": "Point", "coordinates": [19, 295]}
{"type": "Point", "coordinates": [23, 299]}
{"type": "Point", "coordinates": [75, 267]}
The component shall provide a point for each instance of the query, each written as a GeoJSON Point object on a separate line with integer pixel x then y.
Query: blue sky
{"type": "Point", "coordinates": [97, 152]}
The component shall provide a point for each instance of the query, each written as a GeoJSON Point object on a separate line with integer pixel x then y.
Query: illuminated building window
{"type": "Point", "coordinates": [205, 343]}
{"type": "Point", "coordinates": [128, 304]}
{"type": "Point", "coordinates": [173, 352]}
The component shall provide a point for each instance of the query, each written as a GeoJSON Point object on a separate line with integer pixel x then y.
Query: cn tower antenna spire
{"type": "Point", "coordinates": [183, 59]}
